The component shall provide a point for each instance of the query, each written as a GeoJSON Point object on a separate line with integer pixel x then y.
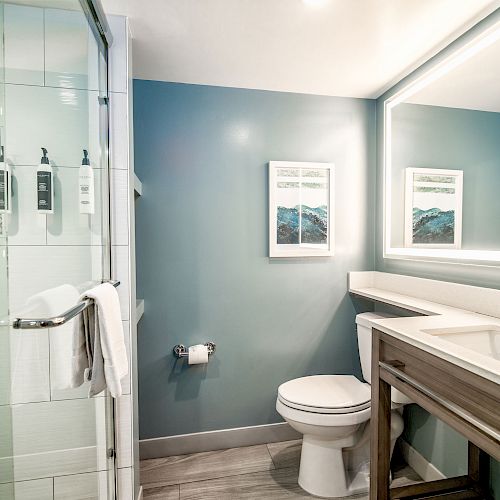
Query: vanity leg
{"type": "Point", "coordinates": [380, 429]}
{"type": "Point", "coordinates": [479, 468]}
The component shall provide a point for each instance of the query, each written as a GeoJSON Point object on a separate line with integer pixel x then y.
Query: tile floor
{"type": "Point", "coordinates": [254, 472]}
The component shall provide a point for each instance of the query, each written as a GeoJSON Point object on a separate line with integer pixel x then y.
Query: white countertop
{"type": "Point", "coordinates": [433, 315]}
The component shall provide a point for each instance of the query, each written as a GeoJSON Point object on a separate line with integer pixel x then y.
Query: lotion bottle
{"type": "Point", "coordinates": [5, 185]}
{"type": "Point", "coordinates": [45, 186]}
{"type": "Point", "coordinates": [86, 186]}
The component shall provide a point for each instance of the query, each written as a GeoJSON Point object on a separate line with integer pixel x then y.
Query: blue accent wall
{"type": "Point", "coordinates": [202, 249]}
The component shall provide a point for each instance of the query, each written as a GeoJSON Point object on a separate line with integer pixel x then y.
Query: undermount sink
{"type": "Point", "coordinates": [484, 339]}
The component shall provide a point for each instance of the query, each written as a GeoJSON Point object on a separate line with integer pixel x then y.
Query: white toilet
{"type": "Point", "coordinates": [333, 413]}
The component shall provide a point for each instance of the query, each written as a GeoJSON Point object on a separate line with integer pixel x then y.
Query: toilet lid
{"type": "Point", "coordinates": [326, 394]}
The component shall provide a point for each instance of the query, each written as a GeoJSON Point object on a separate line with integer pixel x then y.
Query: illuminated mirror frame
{"type": "Point", "coordinates": [485, 38]}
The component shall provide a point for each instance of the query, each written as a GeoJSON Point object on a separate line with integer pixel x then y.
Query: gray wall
{"type": "Point", "coordinates": [202, 249]}
{"type": "Point", "coordinates": [457, 139]}
{"type": "Point", "coordinates": [435, 441]}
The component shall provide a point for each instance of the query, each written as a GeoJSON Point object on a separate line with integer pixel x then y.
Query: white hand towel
{"type": "Point", "coordinates": [47, 304]}
{"type": "Point", "coordinates": [99, 352]}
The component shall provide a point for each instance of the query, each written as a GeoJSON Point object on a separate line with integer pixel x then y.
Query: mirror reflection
{"type": "Point", "coordinates": [443, 172]}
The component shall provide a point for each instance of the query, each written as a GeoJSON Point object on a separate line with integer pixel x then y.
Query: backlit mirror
{"type": "Point", "coordinates": [442, 159]}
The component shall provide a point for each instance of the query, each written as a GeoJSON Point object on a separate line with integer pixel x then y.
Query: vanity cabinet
{"type": "Point", "coordinates": [465, 401]}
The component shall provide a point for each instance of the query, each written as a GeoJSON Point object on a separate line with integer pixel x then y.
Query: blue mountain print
{"type": "Point", "coordinates": [314, 225]}
{"type": "Point", "coordinates": [433, 226]}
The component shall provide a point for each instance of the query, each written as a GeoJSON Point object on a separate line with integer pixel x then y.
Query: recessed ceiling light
{"type": "Point", "coordinates": [316, 3]}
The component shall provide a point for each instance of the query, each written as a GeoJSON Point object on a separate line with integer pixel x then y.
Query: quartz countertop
{"type": "Point", "coordinates": [434, 315]}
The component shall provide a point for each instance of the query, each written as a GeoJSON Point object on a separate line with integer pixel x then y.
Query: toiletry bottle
{"type": "Point", "coordinates": [5, 186]}
{"type": "Point", "coordinates": [86, 185]}
{"type": "Point", "coordinates": [45, 186]}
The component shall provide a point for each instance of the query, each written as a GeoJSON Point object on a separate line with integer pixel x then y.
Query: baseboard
{"type": "Point", "coordinates": [139, 495]}
{"type": "Point", "coordinates": [426, 470]}
{"type": "Point", "coordinates": [216, 440]}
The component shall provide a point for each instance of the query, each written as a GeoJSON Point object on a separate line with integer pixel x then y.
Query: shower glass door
{"type": "Point", "coordinates": [55, 441]}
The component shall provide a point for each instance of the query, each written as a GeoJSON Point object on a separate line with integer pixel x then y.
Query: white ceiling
{"type": "Point", "coordinates": [356, 48]}
{"type": "Point", "coordinates": [475, 84]}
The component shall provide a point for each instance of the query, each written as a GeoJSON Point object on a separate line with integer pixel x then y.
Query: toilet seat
{"type": "Point", "coordinates": [326, 394]}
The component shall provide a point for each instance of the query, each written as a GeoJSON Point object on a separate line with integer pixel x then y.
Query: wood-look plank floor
{"type": "Point", "coordinates": [264, 472]}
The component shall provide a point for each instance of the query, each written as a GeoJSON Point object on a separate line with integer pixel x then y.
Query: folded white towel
{"type": "Point", "coordinates": [49, 303]}
{"type": "Point", "coordinates": [99, 353]}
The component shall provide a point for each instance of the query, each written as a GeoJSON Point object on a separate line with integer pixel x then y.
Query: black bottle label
{"type": "Point", "coordinates": [4, 190]}
{"type": "Point", "coordinates": [44, 189]}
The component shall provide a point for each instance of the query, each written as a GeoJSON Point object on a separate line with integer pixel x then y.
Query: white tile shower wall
{"type": "Point", "coordinates": [61, 124]}
{"type": "Point", "coordinates": [118, 147]}
{"type": "Point", "coordinates": [122, 236]}
{"type": "Point", "coordinates": [70, 50]}
{"type": "Point", "coordinates": [63, 112]}
{"type": "Point", "coordinates": [92, 485]}
{"type": "Point", "coordinates": [24, 54]}
{"type": "Point", "coordinates": [126, 385]}
{"type": "Point", "coordinates": [60, 431]}
{"type": "Point", "coordinates": [125, 485]}
{"type": "Point", "coordinates": [120, 271]}
{"type": "Point", "coordinates": [124, 432]}
{"type": "Point", "coordinates": [29, 367]}
{"type": "Point", "coordinates": [119, 210]}
{"type": "Point", "coordinates": [51, 265]}
{"type": "Point", "coordinates": [55, 438]}
{"type": "Point", "coordinates": [39, 489]}
{"type": "Point", "coordinates": [118, 56]}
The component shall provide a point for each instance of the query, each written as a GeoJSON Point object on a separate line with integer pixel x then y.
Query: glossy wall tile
{"type": "Point", "coordinates": [23, 34]}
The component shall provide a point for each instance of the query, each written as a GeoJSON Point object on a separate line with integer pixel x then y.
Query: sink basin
{"type": "Point", "coordinates": [484, 339]}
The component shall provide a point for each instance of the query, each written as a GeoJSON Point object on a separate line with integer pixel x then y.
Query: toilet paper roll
{"type": "Point", "coordinates": [198, 354]}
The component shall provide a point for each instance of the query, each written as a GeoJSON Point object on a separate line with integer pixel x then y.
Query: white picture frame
{"type": "Point", "coordinates": [433, 208]}
{"type": "Point", "coordinates": [301, 209]}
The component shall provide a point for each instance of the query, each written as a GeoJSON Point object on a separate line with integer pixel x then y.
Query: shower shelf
{"type": "Point", "coordinates": [137, 186]}
{"type": "Point", "coordinates": [139, 309]}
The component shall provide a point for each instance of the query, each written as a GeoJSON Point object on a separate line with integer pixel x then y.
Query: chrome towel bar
{"type": "Point", "coordinates": [32, 324]}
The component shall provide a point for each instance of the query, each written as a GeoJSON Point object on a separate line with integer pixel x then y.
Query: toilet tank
{"type": "Point", "coordinates": [364, 327]}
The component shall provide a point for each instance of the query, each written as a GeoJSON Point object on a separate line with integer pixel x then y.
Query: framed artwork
{"type": "Point", "coordinates": [301, 209]}
{"type": "Point", "coordinates": [433, 208]}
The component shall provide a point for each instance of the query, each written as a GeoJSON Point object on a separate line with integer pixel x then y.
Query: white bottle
{"type": "Point", "coordinates": [86, 186]}
{"type": "Point", "coordinates": [5, 186]}
{"type": "Point", "coordinates": [45, 186]}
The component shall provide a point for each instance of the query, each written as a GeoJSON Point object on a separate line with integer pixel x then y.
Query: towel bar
{"type": "Point", "coordinates": [31, 324]}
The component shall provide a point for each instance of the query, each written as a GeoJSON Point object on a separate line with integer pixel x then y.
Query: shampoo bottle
{"type": "Point", "coordinates": [45, 186]}
{"type": "Point", "coordinates": [5, 186]}
{"type": "Point", "coordinates": [86, 186]}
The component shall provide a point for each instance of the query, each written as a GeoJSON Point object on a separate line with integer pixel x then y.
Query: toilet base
{"type": "Point", "coordinates": [322, 470]}
{"type": "Point", "coordinates": [332, 468]}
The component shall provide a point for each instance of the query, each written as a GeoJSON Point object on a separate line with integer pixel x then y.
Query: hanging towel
{"type": "Point", "coordinates": [99, 353]}
{"type": "Point", "coordinates": [50, 303]}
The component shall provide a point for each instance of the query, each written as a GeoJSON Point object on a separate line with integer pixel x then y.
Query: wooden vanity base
{"type": "Point", "coordinates": [465, 401]}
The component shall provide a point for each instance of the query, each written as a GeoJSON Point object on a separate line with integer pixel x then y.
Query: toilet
{"type": "Point", "coordinates": [333, 414]}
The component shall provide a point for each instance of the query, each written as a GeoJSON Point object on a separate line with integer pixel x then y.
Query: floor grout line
{"type": "Point", "coordinates": [220, 475]}
{"type": "Point", "coordinates": [272, 459]}
{"type": "Point", "coordinates": [179, 485]}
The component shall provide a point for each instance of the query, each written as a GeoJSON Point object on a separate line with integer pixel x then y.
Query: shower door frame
{"type": "Point", "coordinates": [98, 23]}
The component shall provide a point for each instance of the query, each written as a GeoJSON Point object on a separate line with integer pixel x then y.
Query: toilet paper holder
{"type": "Point", "coordinates": [181, 351]}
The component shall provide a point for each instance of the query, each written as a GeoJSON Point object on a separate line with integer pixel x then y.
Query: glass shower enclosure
{"type": "Point", "coordinates": [55, 441]}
